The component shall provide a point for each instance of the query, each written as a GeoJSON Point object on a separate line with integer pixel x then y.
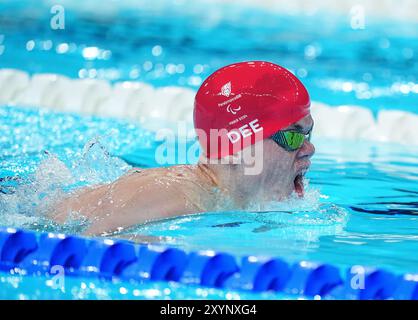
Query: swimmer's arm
{"type": "Point", "coordinates": [83, 201]}
{"type": "Point", "coordinates": [123, 204]}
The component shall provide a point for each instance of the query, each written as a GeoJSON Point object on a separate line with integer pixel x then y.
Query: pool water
{"type": "Point", "coordinates": [361, 205]}
{"type": "Point", "coordinates": [182, 42]}
{"type": "Point", "coordinates": [35, 287]}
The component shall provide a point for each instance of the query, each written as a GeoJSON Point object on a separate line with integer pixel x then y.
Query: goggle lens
{"type": "Point", "coordinates": [290, 140]}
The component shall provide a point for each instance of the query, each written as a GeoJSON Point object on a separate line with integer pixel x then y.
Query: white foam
{"type": "Point", "coordinates": [155, 108]}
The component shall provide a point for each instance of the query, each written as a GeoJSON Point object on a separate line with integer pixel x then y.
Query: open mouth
{"type": "Point", "coordinates": [299, 188]}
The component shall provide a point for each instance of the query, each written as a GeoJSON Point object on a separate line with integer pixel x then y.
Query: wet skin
{"type": "Point", "coordinates": [144, 195]}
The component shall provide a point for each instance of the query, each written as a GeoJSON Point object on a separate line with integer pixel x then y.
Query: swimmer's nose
{"type": "Point", "coordinates": [307, 150]}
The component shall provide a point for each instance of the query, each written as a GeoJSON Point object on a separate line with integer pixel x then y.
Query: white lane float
{"type": "Point", "coordinates": [12, 83]}
{"type": "Point", "coordinates": [155, 108]}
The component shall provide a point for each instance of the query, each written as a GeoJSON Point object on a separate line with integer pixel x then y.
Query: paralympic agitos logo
{"type": "Point", "coordinates": [226, 91]}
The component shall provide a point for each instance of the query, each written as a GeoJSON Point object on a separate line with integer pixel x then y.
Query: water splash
{"type": "Point", "coordinates": [97, 166]}
{"type": "Point", "coordinates": [33, 197]}
{"type": "Point", "coordinates": [308, 210]}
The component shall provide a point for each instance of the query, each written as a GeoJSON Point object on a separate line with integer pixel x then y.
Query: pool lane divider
{"type": "Point", "coordinates": [37, 253]}
{"type": "Point", "coordinates": [156, 108]}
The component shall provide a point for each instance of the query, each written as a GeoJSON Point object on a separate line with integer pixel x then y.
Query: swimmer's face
{"type": "Point", "coordinates": [283, 170]}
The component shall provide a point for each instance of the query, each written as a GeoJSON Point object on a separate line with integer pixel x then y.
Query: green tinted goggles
{"type": "Point", "coordinates": [290, 140]}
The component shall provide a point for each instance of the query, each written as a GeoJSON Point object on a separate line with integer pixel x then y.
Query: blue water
{"type": "Point", "coordinates": [182, 42]}
{"type": "Point", "coordinates": [361, 205]}
{"type": "Point", "coordinates": [30, 288]}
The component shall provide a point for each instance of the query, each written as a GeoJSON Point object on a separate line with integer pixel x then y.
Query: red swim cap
{"type": "Point", "coordinates": [242, 99]}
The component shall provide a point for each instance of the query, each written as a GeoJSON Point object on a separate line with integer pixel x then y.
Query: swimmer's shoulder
{"type": "Point", "coordinates": [134, 170]}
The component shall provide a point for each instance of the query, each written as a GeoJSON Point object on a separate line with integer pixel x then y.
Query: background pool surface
{"type": "Point", "coordinates": [182, 42]}
{"type": "Point", "coordinates": [361, 206]}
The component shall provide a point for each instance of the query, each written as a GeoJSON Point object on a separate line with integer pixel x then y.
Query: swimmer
{"type": "Point", "coordinates": [238, 109]}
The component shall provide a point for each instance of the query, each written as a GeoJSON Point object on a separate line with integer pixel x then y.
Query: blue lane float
{"type": "Point", "coordinates": [37, 253]}
{"type": "Point", "coordinates": [157, 263]}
